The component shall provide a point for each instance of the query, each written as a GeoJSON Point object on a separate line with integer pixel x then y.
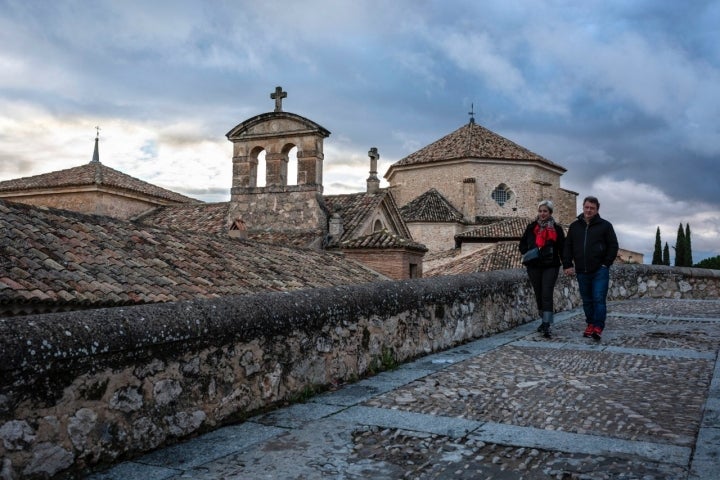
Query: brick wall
{"type": "Point", "coordinates": [394, 264]}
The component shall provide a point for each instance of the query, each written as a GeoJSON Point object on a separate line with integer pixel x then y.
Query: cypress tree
{"type": "Point", "coordinates": [680, 248]}
{"type": "Point", "coordinates": [688, 247]}
{"type": "Point", "coordinates": [657, 253]}
{"type": "Point", "coordinates": [666, 255]}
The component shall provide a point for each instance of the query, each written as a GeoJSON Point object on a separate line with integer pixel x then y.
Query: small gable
{"type": "Point", "coordinates": [431, 206]}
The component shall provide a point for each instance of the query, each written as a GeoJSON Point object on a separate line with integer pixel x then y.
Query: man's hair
{"type": "Point", "coordinates": [592, 199]}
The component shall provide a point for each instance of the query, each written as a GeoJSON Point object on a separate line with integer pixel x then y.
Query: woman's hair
{"type": "Point", "coordinates": [546, 203]}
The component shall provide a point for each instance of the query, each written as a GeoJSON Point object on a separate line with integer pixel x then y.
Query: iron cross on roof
{"type": "Point", "coordinates": [278, 96]}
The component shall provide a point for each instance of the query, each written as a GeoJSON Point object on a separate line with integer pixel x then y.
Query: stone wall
{"type": "Point", "coordinates": [92, 201]}
{"type": "Point", "coordinates": [437, 237]}
{"type": "Point", "coordinates": [287, 209]}
{"type": "Point", "coordinates": [84, 389]}
{"type": "Point", "coordinates": [528, 182]}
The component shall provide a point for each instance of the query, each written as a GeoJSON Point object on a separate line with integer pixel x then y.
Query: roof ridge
{"type": "Point", "coordinates": [91, 173]}
{"type": "Point", "coordinates": [471, 141]}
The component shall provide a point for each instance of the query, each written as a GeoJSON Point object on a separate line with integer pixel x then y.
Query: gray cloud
{"type": "Point", "coordinates": [620, 93]}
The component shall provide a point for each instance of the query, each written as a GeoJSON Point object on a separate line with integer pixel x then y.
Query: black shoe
{"type": "Point", "coordinates": [547, 333]}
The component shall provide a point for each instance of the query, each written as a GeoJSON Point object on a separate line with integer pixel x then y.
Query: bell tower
{"type": "Point", "coordinates": [278, 207]}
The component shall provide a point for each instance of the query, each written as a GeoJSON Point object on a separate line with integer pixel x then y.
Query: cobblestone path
{"type": "Point", "coordinates": [643, 403]}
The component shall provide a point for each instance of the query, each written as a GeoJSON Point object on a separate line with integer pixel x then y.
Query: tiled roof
{"type": "Point", "coordinates": [471, 141]}
{"type": "Point", "coordinates": [54, 259]}
{"type": "Point", "coordinates": [212, 218]}
{"type": "Point", "coordinates": [383, 239]}
{"type": "Point", "coordinates": [441, 255]}
{"type": "Point", "coordinates": [294, 239]}
{"type": "Point", "coordinates": [93, 173]}
{"type": "Point", "coordinates": [355, 208]}
{"type": "Point", "coordinates": [506, 228]}
{"type": "Point", "coordinates": [202, 217]}
{"type": "Point", "coordinates": [487, 220]}
{"type": "Point", "coordinates": [431, 206]}
{"type": "Point", "coordinates": [494, 256]}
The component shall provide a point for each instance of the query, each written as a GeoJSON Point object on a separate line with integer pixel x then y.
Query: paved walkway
{"type": "Point", "coordinates": [644, 403]}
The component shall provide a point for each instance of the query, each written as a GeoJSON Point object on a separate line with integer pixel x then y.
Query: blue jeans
{"type": "Point", "coordinates": [593, 291]}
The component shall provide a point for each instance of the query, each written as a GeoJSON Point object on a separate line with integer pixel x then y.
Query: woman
{"type": "Point", "coordinates": [549, 238]}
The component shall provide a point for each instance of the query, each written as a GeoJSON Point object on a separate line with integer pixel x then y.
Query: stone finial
{"type": "Point", "coordinates": [96, 152]}
{"type": "Point", "coordinates": [373, 182]}
{"type": "Point", "coordinates": [278, 96]}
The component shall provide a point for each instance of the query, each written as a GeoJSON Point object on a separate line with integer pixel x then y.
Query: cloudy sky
{"type": "Point", "coordinates": [624, 94]}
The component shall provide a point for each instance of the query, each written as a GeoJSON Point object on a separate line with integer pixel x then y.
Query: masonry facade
{"type": "Point", "coordinates": [483, 174]}
{"type": "Point", "coordinates": [455, 186]}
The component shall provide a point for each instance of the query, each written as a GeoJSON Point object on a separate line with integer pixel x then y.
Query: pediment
{"type": "Point", "coordinates": [275, 123]}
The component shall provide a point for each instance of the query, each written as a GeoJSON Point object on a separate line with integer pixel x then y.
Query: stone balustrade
{"type": "Point", "coordinates": [88, 388]}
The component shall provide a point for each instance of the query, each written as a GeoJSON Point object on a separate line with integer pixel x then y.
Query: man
{"type": "Point", "coordinates": [591, 247]}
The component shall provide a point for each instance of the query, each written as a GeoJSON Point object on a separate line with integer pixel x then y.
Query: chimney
{"type": "Point", "coordinates": [336, 226]}
{"type": "Point", "coordinates": [373, 182]}
{"type": "Point", "coordinates": [469, 206]}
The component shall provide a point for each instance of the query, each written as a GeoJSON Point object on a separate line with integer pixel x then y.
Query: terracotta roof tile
{"type": "Point", "coordinates": [353, 208]}
{"type": "Point", "coordinates": [203, 217]}
{"type": "Point", "coordinates": [506, 228]}
{"type": "Point", "coordinates": [382, 240]}
{"type": "Point", "coordinates": [212, 218]}
{"type": "Point", "coordinates": [162, 265]}
{"type": "Point", "coordinates": [494, 256]}
{"type": "Point", "coordinates": [431, 206]}
{"type": "Point", "coordinates": [93, 173]}
{"type": "Point", "coordinates": [295, 239]}
{"type": "Point", "coordinates": [470, 141]}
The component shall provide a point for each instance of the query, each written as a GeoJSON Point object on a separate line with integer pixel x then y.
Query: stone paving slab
{"type": "Point", "coordinates": [577, 391]}
{"type": "Point", "coordinates": [644, 403]}
{"type": "Point", "coordinates": [436, 424]}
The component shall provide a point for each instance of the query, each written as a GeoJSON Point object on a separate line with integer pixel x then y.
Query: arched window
{"type": "Point", "coordinates": [377, 226]}
{"type": "Point", "coordinates": [292, 169]}
{"type": "Point", "coordinates": [261, 170]}
{"type": "Point", "coordinates": [502, 194]}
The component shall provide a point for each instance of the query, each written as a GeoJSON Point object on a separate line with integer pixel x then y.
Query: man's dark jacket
{"type": "Point", "coordinates": [589, 246]}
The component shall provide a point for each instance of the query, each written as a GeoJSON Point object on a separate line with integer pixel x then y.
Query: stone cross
{"type": "Point", "coordinates": [374, 156]}
{"type": "Point", "coordinates": [278, 96]}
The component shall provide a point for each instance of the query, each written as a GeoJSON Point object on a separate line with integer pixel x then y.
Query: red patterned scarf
{"type": "Point", "coordinates": [545, 231]}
